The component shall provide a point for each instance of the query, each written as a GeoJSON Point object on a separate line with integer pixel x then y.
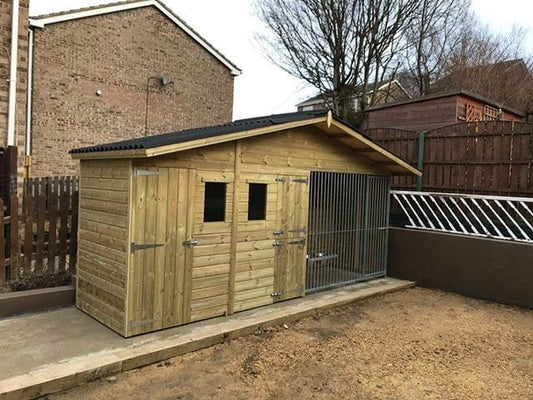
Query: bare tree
{"type": "Point", "coordinates": [494, 65]}
{"type": "Point", "coordinates": [437, 29]}
{"type": "Point", "coordinates": [337, 46]}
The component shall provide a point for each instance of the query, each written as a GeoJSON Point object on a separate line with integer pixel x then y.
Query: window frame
{"type": "Point", "coordinates": [224, 203]}
{"type": "Point", "coordinates": [265, 201]}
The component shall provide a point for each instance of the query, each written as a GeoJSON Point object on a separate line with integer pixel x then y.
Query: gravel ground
{"type": "Point", "coordinates": [414, 344]}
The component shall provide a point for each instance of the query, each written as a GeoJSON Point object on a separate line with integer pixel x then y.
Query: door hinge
{"type": "Point", "coordinates": [303, 180]}
{"type": "Point", "coordinates": [275, 294]}
{"type": "Point", "coordinates": [299, 241]}
{"type": "Point", "coordinates": [143, 246]}
{"type": "Point", "coordinates": [299, 230]}
{"type": "Point", "coordinates": [278, 244]}
{"type": "Point", "coordinates": [145, 172]}
{"type": "Point", "coordinates": [135, 324]}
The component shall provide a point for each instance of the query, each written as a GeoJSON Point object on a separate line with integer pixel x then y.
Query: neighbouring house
{"type": "Point", "coordinates": [508, 82]}
{"type": "Point", "coordinates": [206, 222]}
{"type": "Point", "coordinates": [438, 110]}
{"type": "Point", "coordinates": [114, 72]}
{"type": "Point", "coordinates": [387, 91]}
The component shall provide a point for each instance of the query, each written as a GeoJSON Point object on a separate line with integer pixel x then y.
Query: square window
{"type": "Point", "coordinates": [214, 201]}
{"type": "Point", "coordinates": [257, 197]}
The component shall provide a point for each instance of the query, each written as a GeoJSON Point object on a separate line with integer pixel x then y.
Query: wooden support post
{"type": "Point", "coordinates": [420, 166]}
{"type": "Point", "coordinates": [53, 187]}
{"type": "Point", "coordinates": [234, 226]}
{"type": "Point", "coordinates": [14, 237]}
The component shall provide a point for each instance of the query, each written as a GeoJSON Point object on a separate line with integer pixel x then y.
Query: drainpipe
{"type": "Point", "coordinates": [12, 97]}
{"type": "Point", "coordinates": [29, 104]}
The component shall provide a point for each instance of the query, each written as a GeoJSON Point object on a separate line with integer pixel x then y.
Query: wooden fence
{"type": "Point", "coordinates": [492, 157]}
{"type": "Point", "coordinates": [39, 229]}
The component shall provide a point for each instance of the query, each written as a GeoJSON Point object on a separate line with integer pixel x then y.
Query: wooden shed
{"type": "Point", "coordinates": [205, 222]}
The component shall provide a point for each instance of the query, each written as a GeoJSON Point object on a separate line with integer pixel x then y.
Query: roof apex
{"type": "Point", "coordinates": [40, 21]}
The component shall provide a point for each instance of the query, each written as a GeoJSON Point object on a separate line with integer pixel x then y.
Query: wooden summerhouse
{"type": "Point", "coordinates": [206, 222]}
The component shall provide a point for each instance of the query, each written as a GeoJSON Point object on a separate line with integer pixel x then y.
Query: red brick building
{"type": "Point", "coordinates": [438, 110]}
{"type": "Point", "coordinates": [115, 72]}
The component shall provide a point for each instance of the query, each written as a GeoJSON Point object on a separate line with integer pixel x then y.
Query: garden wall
{"type": "Point", "coordinates": [495, 270]}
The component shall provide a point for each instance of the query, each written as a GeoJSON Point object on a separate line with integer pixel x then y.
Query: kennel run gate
{"type": "Point", "coordinates": [348, 229]}
{"type": "Point", "coordinates": [190, 225]}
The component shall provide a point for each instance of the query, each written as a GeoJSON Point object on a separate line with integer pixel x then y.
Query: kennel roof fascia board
{"type": "Point", "coordinates": [325, 121]}
{"type": "Point", "coordinates": [41, 21]}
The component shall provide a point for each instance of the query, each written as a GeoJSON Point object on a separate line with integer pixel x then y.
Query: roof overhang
{"type": "Point", "coordinates": [328, 124]}
{"type": "Point", "coordinates": [42, 21]}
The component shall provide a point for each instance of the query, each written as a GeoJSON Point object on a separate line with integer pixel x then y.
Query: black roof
{"type": "Point", "coordinates": [187, 135]}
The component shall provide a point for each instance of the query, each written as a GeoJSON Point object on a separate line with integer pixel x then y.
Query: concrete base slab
{"type": "Point", "coordinates": [58, 350]}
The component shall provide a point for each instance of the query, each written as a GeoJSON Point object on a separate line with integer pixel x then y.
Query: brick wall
{"type": "Point", "coordinates": [116, 53]}
{"type": "Point", "coordinates": [22, 71]}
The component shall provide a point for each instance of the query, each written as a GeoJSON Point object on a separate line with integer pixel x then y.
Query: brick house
{"type": "Point", "coordinates": [438, 110]}
{"type": "Point", "coordinates": [114, 72]}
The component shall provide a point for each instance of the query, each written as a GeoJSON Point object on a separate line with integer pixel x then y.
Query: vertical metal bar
{"type": "Point", "coordinates": [387, 224]}
{"type": "Point", "coordinates": [365, 236]}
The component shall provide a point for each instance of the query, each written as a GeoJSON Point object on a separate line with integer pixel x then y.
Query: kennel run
{"type": "Point", "coordinates": [205, 222]}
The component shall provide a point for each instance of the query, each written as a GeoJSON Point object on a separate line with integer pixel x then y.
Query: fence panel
{"type": "Point", "coordinates": [487, 157]}
{"type": "Point", "coordinates": [39, 238]}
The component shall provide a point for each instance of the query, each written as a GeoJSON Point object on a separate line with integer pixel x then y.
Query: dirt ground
{"type": "Point", "coordinates": [414, 344]}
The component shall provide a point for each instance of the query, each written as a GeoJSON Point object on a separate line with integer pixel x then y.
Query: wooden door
{"type": "Point", "coordinates": [293, 200]}
{"type": "Point", "coordinates": [161, 259]}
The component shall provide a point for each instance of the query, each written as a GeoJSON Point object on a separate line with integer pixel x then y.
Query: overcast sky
{"type": "Point", "coordinates": [263, 88]}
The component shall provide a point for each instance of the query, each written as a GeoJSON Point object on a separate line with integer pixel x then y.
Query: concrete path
{"type": "Point", "coordinates": [49, 352]}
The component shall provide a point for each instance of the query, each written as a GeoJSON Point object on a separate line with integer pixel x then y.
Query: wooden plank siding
{"type": "Point", "coordinates": [103, 241]}
{"type": "Point", "coordinates": [232, 267]}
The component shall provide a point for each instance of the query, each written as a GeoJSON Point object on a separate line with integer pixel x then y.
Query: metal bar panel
{"type": "Point", "coordinates": [454, 202]}
{"type": "Point", "coordinates": [453, 215]}
{"type": "Point", "coordinates": [512, 219]}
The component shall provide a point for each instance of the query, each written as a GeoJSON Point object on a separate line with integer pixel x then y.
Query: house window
{"type": "Point", "coordinates": [257, 197]}
{"type": "Point", "coordinates": [307, 108]}
{"type": "Point", "coordinates": [214, 201]}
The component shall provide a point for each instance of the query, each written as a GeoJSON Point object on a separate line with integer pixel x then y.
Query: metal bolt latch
{"type": "Point", "coordinates": [280, 232]}
{"type": "Point", "coordinates": [190, 243]}
{"type": "Point", "coordinates": [275, 294]}
{"type": "Point", "coordinates": [278, 244]}
{"type": "Point", "coordinates": [299, 241]}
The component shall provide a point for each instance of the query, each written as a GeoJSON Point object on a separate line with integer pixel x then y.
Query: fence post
{"type": "Point", "coordinates": [420, 166]}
